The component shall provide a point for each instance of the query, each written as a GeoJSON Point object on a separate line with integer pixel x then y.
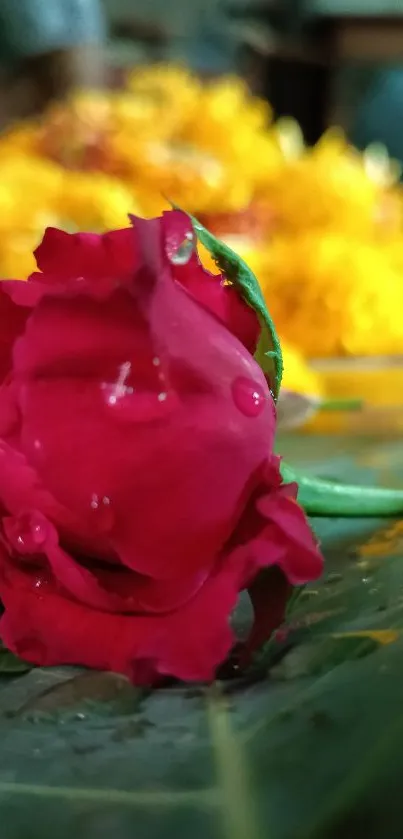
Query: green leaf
{"type": "Point", "coordinates": [313, 751]}
{"type": "Point", "coordinates": [268, 353]}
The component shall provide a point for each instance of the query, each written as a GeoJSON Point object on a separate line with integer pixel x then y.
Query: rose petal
{"type": "Point", "coordinates": [12, 320]}
{"type": "Point", "coordinates": [274, 531]}
{"type": "Point", "coordinates": [107, 589]}
{"type": "Point", "coordinates": [45, 628]}
{"type": "Point", "coordinates": [21, 490]}
{"type": "Point", "coordinates": [65, 256]}
{"type": "Point", "coordinates": [77, 264]}
{"type": "Point", "coordinates": [287, 526]}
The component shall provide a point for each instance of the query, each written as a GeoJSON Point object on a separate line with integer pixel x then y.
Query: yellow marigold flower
{"type": "Point", "coordinates": [332, 185]}
{"type": "Point", "coordinates": [29, 177]}
{"type": "Point", "coordinates": [232, 125]}
{"type": "Point", "coordinates": [298, 376]}
{"type": "Point", "coordinates": [172, 91]}
{"type": "Point", "coordinates": [216, 147]}
{"type": "Point", "coordinates": [322, 228]}
{"type": "Point", "coordinates": [93, 201]}
{"type": "Point", "coordinates": [16, 257]}
{"type": "Point", "coordinates": [164, 81]}
{"type": "Point", "coordinates": [29, 189]}
{"type": "Point", "coordinates": [20, 139]}
{"type": "Point", "coordinates": [331, 295]}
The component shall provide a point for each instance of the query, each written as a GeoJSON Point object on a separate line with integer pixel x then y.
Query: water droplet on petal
{"type": "Point", "coordinates": [119, 389]}
{"type": "Point", "coordinates": [38, 534]}
{"type": "Point", "coordinates": [147, 400]}
{"type": "Point", "coordinates": [94, 502]}
{"type": "Point", "coordinates": [102, 515]}
{"type": "Point", "coordinates": [26, 534]}
{"type": "Point", "coordinates": [39, 581]}
{"type": "Point", "coordinates": [248, 396]}
{"type": "Point", "coordinates": [180, 254]}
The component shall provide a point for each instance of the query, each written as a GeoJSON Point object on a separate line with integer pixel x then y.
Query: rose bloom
{"type": "Point", "coordinates": [139, 493]}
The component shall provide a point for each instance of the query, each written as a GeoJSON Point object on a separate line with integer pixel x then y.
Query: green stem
{"type": "Point", "coordinates": [341, 405]}
{"type": "Point", "coordinates": [325, 498]}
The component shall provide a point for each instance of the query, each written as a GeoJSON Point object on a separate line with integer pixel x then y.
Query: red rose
{"type": "Point", "coordinates": [138, 491]}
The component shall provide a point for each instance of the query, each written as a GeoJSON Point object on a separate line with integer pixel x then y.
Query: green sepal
{"type": "Point", "coordinates": [268, 353]}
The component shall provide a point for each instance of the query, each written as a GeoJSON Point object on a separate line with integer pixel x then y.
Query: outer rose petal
{"type": "Point", "coordinates": [12, 322]}
{"type": "Point", "coordinates": [20, 487]}
{"type": "Point", "coordinates": [188, 642]}
{"type": "Point", "coordinates": [37, 555]}
{"type": "Point", "coordinates": [65, 256]}
{"type": "Point", "coordinates": [46, 628]}
{"type": "Point", "coordinates": [274, 531]}
{"type": "Point", "coordinates": [77, 264]}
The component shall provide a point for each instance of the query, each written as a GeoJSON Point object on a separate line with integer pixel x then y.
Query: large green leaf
{"type": "Point", "coordinates": [314, 750]}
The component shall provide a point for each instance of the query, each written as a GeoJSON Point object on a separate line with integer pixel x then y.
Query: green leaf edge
{"type": "Point", "coordinates": [239, 272]}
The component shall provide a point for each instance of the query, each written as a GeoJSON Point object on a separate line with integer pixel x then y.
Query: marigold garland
{"type": "Point", "coordinates": [321, 227]}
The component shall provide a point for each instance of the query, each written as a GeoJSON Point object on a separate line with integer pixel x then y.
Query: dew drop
{"type": "Point", "coordinates": [145, 402]}
{"type": "Point", "coordinates": [39, 582]}
{"type": "Point", "coordinates": [38, 534]}
{"type": "Point", "coordinates": [103, 517]}
{"type": "Point", "coordinates": [180, 254]}
{"type": "Point", "coordinates": [248, 396]}
{"type": "Point", "coordinates": [27, 534]}
{"type": "Point", "coordinates": [117, 390]}
{"type": "Point", "coordinates": [94, 502]}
